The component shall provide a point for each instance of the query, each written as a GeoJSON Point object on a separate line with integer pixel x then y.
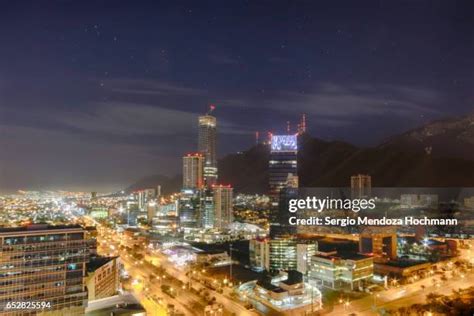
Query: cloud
{"type": "Point", "coordinates": [150, 87]}
{"type": "Point", "coordinates": [342, 104]}
{"type": "Point", "coordinates": [119, 118]}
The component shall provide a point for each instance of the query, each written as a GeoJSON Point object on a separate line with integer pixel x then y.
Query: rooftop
{"type": "Point", "coordinates": [122, 310]}
{"type": "Point", "coordinates": [97, 262]}
{"type": "Point", "coordinates": [37, 227]}
{"type": "Point", "coordinates": [266, 284]}
{"type": "Point", "coordinates": [294, 277]}
{"type": "Point", "coordinates": [405, 263]}
{"type": "Point", "coordinates": [430, 242]}
{"type": "Point", "coordinates": [345, 256]}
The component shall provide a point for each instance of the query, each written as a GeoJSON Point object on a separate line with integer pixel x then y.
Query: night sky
{"type": "Point", "coordinates": [97, 94]}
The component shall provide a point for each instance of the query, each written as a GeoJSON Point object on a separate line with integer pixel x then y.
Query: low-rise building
{"type": "Point", "coordinates": [469, 202]}
{"type": "Point", "coordinates": [288, 294]}
{"type": "Point", "coordinates": [102, 277]}
{"type": "Point", "coordinates": [375, 241]}
{"type": "Point", "coordinates": [337, 271]}
{"type": "Point", "coordinates": [401, 269]}
{"type": "Point", "coordinates": [123, 305]}
{"type": "Point", "coordinates": [213, 258]}
{"type": "Point", "coordinates": [408, 201]}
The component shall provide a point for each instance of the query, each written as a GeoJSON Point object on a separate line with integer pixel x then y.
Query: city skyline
{"type": "Point", "coordinates": [92, 97]}
{"type": "Point", "coordinates": [224, 158]}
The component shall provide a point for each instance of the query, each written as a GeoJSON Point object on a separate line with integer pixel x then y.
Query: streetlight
{"type": "Point", "coordinates": [375, 299]}
{"type": "Point", "coordinates": [346, 304]}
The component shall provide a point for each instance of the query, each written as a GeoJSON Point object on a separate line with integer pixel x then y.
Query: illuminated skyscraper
{"type": "Point", "coordinates": [189, 208]}
{"type": "Point", "coordinates": [207, 147]}
{"type": "Point", "coordinates": [207, 208]}
{"type": "Point", "coordinates": [283, 177]}
{"type": "Point", "coordinates": [223, 206]}
{"type": "Point", "coordinates": [193, 171]}
{"type": "Point", "coordinates": [283, 162]}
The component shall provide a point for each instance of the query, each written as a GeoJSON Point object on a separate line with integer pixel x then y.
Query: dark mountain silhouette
{"type": "Point", "coordinates": [331, 164]}
{"type": "Point", "coordinates": [439, 154]}
{"type": "Point", "coordinates": [452, 137]}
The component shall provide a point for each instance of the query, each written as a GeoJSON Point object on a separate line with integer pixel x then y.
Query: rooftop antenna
{"type": "Point", "coordinates": [303, 123]}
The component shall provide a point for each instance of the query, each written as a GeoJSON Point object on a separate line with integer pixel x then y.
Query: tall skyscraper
{"type": "Point", "coordinates": [223, 206]}
{"type": "Point", "coordinates": [207, 208]}
{"type": "Point", "coordinates": [189, 208]}
{"type": "Point", "coordinates": [361, 186]}
{"type": "Point", "coordinates": [141, 198]}
{"type": "Point", "coordinates": [193, 171]}
{"type": "Point", "coordinates": [280, 216]}
{"type": "Point", "coordinates": [283, 162]}
{"type": "Point", "coordinates": [207, 147]}
{"type": "Point", "coordinates": [45, 264]}
{"type": "Point", "coordinates": [283, 177]}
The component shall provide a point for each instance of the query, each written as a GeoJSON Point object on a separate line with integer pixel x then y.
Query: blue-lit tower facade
{"type": "Point", "coordinates": [283, 181]}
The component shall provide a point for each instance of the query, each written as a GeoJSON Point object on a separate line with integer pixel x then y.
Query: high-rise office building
{"type": "Point", "coordinates": [152, 211]}
{"type": "Point", "coordinates": [258, 254]}
{"type": "Point", "coordinates": [207, 147]}
{"type": "Point", "coordinates": [44, 264]}
{"type": "Point", "coordinates": [361, 186]}
{"type": "Point", "coordinates": [281, 253]}
{"type": "Point", "coordinates": [223, 206]}
{"type": "Point", "coordinates": [280, 216]}
{"type": "Point", "coordinates": [193, 171]}
{"type": "Point", "coordinates": [141, 198]}
{"type": "Point", "coordinates": [144, 196]}
{"type": "Point", "coordinates": [207, 208]}
{"type": "Point", "coordinates": [283, 185]}
{"type": "Point", "coordinates": [283, 162]}
{"type": "Point", "coordinates": [189, 208]}
{"type": "Point", "coordinates": [283, 177]}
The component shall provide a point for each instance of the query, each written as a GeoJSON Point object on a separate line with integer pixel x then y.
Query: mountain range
{"type": "Point", "coordinates": [438, 154]}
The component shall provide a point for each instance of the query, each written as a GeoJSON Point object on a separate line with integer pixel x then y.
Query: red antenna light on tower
{"type": "Point", "coordinates": [212, 107]}
{"type": "Point", "coordinates": [257, 137]}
